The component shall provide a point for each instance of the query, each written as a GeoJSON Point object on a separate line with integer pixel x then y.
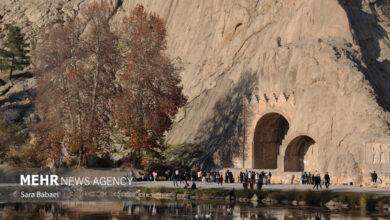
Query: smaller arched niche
{"type": "Point", "coordinates": [298, 152]}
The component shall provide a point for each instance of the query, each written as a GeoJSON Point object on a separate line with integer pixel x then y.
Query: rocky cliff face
{"type": "Point", "coordinates": [330, 59]}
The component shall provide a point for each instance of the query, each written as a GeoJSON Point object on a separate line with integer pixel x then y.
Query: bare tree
{"type": "Point", "coordinates": [91, 79]}
{"type": "Point", "coordinates": [150, 93]}
{"type": "Point", "coordinates": [76, 64]}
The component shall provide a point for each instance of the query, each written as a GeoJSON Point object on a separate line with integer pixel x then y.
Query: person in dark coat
{"type": "Point", "coordinates": [269, 178]}
{"type": "Point", "coordinates": [227, 176]}
{"type": "Point", "coordinates": [374, 177]}
{"type": "Point", "coordinates": [304, 178]}
{"type": "Point", "coordinates": [317, 181]}
{"type": "Point", "coordinates": [260, 182]}
{"type": "Point", "coordinates": [327, 180]}
{"type": "Point", "coordinates": [241, 178]}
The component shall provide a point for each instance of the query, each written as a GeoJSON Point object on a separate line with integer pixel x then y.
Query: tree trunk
{"type": "Point", "coordinates": [95, 85]}
{"type": "Point", "coordinates": [12, 68]}
{"type": "Point", "coordinates": [82, 158]}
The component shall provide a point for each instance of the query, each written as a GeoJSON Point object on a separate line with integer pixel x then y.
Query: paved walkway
{"type": "Point", "coordinates": [334, 188]}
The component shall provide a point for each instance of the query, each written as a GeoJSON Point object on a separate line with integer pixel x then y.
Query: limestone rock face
{"type": "Point", "coordinates": [321, 65]}
{"type": "Point", "coordinates": [16, 100]}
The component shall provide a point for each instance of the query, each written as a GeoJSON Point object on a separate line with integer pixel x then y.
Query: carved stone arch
{"type": "Point", "coordinates": [296, 152]}
{"type": "Point", "coordinates": [269, 133]}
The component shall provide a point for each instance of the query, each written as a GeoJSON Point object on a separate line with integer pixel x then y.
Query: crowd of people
{"type": "Point", "coordinates": [245, 177]}
{"type": "Point", "coordinates": [201, 176]}
{"type": "Point", "coordinates": [251, 178]}
{"type": "Point", "coordinates": [248, 179]}
{"type": "Point", "coordinates": [315, 179]}
{"type": "Point", "coordinates": [180, 176]}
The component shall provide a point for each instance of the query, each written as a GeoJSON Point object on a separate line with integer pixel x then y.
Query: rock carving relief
{"type": "Point", "coordinates": [378, 153]}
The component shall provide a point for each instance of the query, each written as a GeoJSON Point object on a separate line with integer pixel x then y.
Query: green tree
{"type": "Point", "coordinates": [14, 55]}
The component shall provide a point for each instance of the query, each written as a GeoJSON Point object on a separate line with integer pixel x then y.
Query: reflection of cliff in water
{"type": "Point", "coordinates": [165, 210]}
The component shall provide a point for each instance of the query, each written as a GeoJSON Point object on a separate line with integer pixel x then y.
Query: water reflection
{"type": "Point", "coordinates": [165, 210]}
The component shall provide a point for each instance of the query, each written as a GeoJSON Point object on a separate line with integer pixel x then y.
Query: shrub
{"type": "Point", "coordinates": [26, 155]}
{"type": "Point", "coordinates": [353, 199]}
{"type": "Point", "coordinates": [9, 137]}
{"type": "Point", "coordinates": [279, 196]}
{"type": "Point", "coordinates": [317, 198]}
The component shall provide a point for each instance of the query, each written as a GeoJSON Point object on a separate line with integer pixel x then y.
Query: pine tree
{"type": "Point", "coordinates": [14, 55]}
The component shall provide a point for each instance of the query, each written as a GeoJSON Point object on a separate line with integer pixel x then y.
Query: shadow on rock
{"type": "Point", "coordinates": [220, 137]}
{"type": "Point", "coordinates": [369, 33]}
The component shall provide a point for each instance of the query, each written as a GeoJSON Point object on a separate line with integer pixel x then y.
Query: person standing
{"type": "Point", "coordinates": [260, 182]}
{"type": "Point", "coordinates": [327, 180]}
{"type": "Point", "coordinates": [154, 175]}
{"type": "Point", "coordinates": [226, 176]}
{"type": "Point", "coordinates": [374, 176]}
{"type": "Point", "coordinates": [269, 177]}
{"type": "Point", "coordinates": [231, 178]}
{"type": "Point", "coordinates": [303, 178]}
{"type": "Point", "coordinates": [319, 180]}
{"type": "Point", "coordinates": [175, 177]}
{"type": "Point", "coordinates": [313, 177]}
